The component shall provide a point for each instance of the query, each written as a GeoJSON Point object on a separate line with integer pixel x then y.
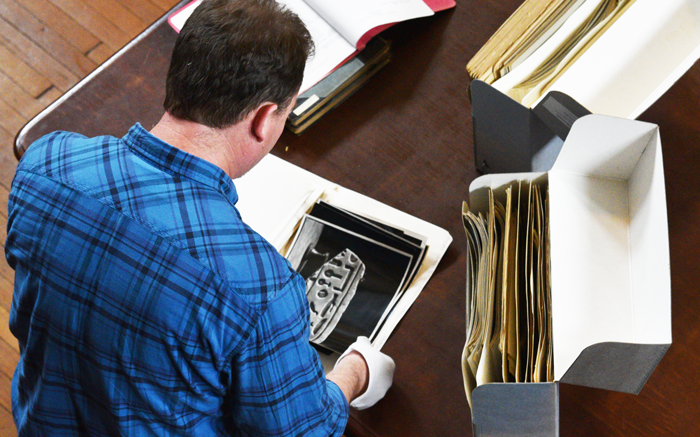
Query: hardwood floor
{"type": "Point", "coordinates": [46, 47]}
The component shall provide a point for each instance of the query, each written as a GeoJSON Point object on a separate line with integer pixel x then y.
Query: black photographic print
{"type": "Point", "coordinates": [352, 281]}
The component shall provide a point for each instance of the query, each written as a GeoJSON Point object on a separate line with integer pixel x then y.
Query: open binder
{"type": "Point", "coordinates": [340, 29]}
{"type": "Point", "coordinates": [348, 51]}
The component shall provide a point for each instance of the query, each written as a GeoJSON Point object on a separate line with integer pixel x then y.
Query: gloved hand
{"type": "Point", "coordinates": [381, 373]}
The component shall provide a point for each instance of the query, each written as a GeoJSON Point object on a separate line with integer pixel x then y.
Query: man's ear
{"type": "Point", "coordinates": [262, 122]}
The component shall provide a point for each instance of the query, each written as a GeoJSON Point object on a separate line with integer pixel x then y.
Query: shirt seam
{"type": "Point", "coordinates": [262, 313]}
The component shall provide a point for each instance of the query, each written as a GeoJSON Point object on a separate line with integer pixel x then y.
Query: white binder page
{"type": "Point", "coordinates": [331, 49]}
{"type": "Point", "coordinates": [177, 20]}
{"type": "Point", "coordinates": [354, 18]}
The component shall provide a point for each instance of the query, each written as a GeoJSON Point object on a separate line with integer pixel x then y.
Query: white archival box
{"type": "Point", "coordinates": [610, 271]}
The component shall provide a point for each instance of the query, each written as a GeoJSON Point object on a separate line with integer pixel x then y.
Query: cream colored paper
{"type": "Point", "coordinates": [269, 185]}
{"type": "Point", "coordinates": [508, 314]}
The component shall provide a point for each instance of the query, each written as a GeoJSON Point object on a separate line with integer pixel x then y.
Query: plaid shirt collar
{"type": "Point", "coordinates": [174, 161]}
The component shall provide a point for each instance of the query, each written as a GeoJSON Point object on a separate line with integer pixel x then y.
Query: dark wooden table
{"type": "Point", "coordinates": [405, 139]}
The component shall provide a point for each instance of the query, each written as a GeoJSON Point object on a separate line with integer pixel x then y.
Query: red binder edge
{"type": "Point", "coordinates": [435, 5]}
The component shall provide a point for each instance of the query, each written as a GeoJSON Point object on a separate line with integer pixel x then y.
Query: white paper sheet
{"type": "Point", "coordinates": [354, 18]}
{"type": "Point", "coordinates": [331, 49]}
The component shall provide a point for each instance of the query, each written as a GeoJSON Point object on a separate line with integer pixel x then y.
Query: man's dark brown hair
{"type": "Point", "coordinates": [233, 55]}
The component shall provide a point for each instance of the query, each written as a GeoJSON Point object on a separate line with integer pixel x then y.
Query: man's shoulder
{"type": "Point", "coordinates": [55, 138]}
{"type": "Point", "coordinates": [253, 267]}
{"type": "Point", "coordinates": [57, 143]}
{"type": "Point", "coordinates": [197, 218]}
{"type": "Point", "coordinates": [59, 152]}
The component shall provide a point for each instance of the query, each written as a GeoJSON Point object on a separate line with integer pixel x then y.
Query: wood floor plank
{"type": "Point", "coordinates": [6, 291]}
{"type": "Point", "coordinates": [10, 120]}
{"type": "Point", "coordinates": [101, 53]}
{"type": "Point", "coordinates": [7, 278]}
{"type": "Point", "coordinates": [25, 76]}
{"type": "Point", "coordinates": [5, 333]}
{"type": "Point", "coordinates": [7, 426]}
{"type": "Point", "coordinates": [118, 15]}
{"type": "Point", "coordinates": [49, 96]}
{"type": "Point", "coordinates": [8, 359]}
{"type": "Point", "coordinates": [18, 98]}
{"type": "Point", "coordinates": [4, 198]}
{"type": "Point", "coordinates": [165, 5]}
{"type": "Point", "coordinates": [7, 275]}
{"type": "Point", "coordinates": [8, 164]}
{"type": "Point", "coordinates": [46, 38]}
{"type": "Point", "coordinates": [61, 23]}
{"type": "Point", "coordinates": [145, 10]}
{"type": "Point", "coordinates": [5, 389]}
{"type": "Point", "coordinates": [5, 137]}
{"type": "Point", "coordinates": [37, 57]}
{"type": "Point", "coordinates": [11, 91]}
{"type": "Point", "coordinates": [89, 18]}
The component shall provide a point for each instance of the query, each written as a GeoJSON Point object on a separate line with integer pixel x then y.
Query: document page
{"type": "Point", "coordinates": [509, 317]}
{"type": "Point", "coordinates": [354, 18]}
{"type": "Point", "coordinates": [331, 49]}
{"type": "Point", "coordinates": [478, 263]}
{"type": "Point", "coordinates": [490, 367]}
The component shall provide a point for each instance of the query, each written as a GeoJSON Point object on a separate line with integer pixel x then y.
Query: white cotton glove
{"type": "Point", "coordinates": [381, 372]}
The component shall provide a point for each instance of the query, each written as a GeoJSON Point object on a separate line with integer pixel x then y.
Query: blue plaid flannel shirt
{"type": "Point", "coordinates": [143, 305]}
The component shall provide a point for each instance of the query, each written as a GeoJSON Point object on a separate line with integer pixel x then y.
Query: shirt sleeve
{"type": "Point", "coordinates": [278, 385]}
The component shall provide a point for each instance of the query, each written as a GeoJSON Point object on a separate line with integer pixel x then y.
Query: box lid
{"type": "Point", "coordinates": [637, 59]}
